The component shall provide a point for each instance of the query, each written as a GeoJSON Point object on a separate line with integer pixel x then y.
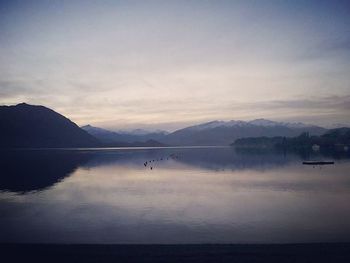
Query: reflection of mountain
{"type": "Point", "coordinates": [27, 170]}
{"type": "Point", "coordinates": [206, 158]}
{"type": "Point", "coordinates": [23, 171]}
{"type": "Point", "coordinates": [229, 159]}
{"type": "Point", "coordinates": [246, 158]}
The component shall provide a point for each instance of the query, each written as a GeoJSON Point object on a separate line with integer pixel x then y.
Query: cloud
{"type": "Point", "coordinates": [120, 63]}
{"type": "Point", "coordinates": [15, 89]}
{"type": "Point", "coordinates": [328, 49]}
{"type": "Point", "coordinates": [331, 103]}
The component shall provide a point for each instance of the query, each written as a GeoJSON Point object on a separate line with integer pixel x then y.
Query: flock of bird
{"type": "Point", "coordinates": [151, 162]}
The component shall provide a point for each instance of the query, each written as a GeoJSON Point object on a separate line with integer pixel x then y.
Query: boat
{"type": "Point", "coordinates": [318, 162]}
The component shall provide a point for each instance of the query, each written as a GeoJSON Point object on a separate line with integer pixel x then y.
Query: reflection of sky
{"type": "Point", "coordinates": [124, 202]}
{"type": "Point", "coordinates": [172, 63]}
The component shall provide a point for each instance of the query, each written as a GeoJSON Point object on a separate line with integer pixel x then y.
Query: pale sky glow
{"type": "Point", "coordinates": [168, 64]}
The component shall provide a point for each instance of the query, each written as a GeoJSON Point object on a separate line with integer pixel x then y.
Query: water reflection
{"type": "Point", "coordinates": [34, 170]}
{"type": "Point", "coordinates": [201, 196]}
{"type": "Point", "coordinates": [24, 170]}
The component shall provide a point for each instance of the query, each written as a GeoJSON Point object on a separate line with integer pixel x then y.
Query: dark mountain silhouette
{"type": "Point", "coordinates": [28, 126]}
{"type": "Point", "coordinates": [224, 133]}
{"type": "Point", "coordinates": [125, 139]}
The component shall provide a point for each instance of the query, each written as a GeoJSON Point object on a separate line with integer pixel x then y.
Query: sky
{"type": "Point", "coordinates": [170, 64]}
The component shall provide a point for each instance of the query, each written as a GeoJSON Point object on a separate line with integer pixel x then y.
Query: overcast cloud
{"type": "Point", "coordinates": [166, 64]}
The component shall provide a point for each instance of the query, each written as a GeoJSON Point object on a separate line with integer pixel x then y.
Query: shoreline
{"type": "Point", "coordinates": [117, 148]}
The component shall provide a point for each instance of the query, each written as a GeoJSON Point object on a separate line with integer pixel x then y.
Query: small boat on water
{"type": "Point", "coordinates": [318, 162]}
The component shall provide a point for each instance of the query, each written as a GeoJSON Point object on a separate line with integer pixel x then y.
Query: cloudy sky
{"type": "Point", "coordinates": [168, 64]}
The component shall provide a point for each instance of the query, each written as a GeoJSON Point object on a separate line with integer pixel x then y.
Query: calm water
{"type": "Point", "coordinates": [202, 195]}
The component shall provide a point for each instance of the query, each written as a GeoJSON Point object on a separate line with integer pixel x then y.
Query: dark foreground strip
{"type": "Point", "coordinates": [339, 252]}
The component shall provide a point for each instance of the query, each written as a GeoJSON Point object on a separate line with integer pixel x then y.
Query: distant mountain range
{"type": "Point", "coordinates": [224, 133]}
{"type": "Point", "coordinates": [26, 125]}
{"type": "Point", "coordinates": [141, 132]}
{"type": "Point", "coordinates": [123, 138]}
{"type": "Point", "coordinates": [210, 133]}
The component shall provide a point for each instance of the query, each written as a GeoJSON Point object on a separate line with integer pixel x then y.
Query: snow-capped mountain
{"type": "Point", "coordinates": [209, 133]}
{"type": "Point", "coordinates": [225, 132]}
{"type": "Point", "coordinates": [269, 123]}
{"type": "Point", "coordinates": [337, 125]}
{"type": "Point", "coordinates": [215, 124]}
{"type": "Point", "coordinates": [256, 122]}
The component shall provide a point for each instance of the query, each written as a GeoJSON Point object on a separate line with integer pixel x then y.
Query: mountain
{"type": "Point", "coordinates": [29, 126]}
{"type": "Point", "coordinates": [125, 138]}
{"type": "Point", "coordinates": [26, 126]}
{"type": "Point", "coordinates": [102, 135]}
{"type": "Point", "coordinates": [142, 132]}
{"type": "Point", "coordinates": [268, 123]}
{"type": "Point", "coordinates": [256, 122]}
{"type": "Point", "coordinates": [224, 133]}
{"type": "Point", "coordinates": [337, 136]}
{"type": "Point", "coordinates": [338, 125]}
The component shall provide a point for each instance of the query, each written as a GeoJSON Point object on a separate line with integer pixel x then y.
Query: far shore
{"type": "Point", "coordinates": [122, 148]}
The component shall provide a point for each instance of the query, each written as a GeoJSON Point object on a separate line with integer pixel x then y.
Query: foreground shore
{"type": "Point", "coordinates": [334, 252]}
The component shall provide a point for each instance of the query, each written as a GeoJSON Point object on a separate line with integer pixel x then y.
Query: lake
{"type": "Point", "coordinates": [186, 195]}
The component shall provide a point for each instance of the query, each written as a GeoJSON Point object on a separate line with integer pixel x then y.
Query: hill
{"type": "Point", "coordinates": [29, 126]}
{"type": "Point", "coordinates": [335, 139]}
